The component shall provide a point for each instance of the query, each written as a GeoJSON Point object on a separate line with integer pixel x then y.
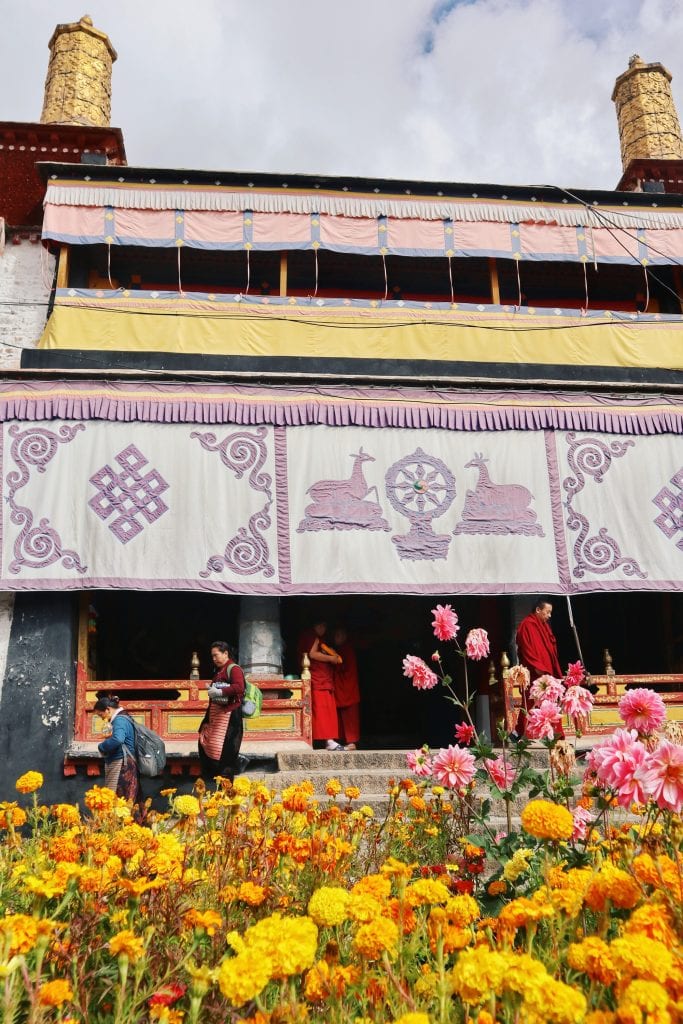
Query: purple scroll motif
{"type": "Point", "coordinates": [421, 488]}
{"type": "Point", "coordinates": [497, 508]}
{"type": "Point", "coordinates": [40, 545]}
{"type": "Point", "coordinates": [598, 553]}
{"type": "Point", "coordinates": [344, 504]}
{"type": "Point", "coordinates": [128, 494]}
{"type": "Point", "coordinates": [670, 504]}
{"type": "Point", "coordinates": [247, 552]}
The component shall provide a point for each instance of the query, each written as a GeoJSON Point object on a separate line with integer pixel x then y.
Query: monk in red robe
{"type": "Point", "coordinates": [323, 704]}
{"type": "Point", "coordinates": [346, 690]}
{"type": "Point", "coordinates": [537, 650]}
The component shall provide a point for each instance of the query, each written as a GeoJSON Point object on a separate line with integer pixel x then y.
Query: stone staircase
{"type": "Point", "coordinates": [371, 771]}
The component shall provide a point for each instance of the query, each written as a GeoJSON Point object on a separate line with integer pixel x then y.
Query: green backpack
{"type": "Point", "coordinates": [252, 700]}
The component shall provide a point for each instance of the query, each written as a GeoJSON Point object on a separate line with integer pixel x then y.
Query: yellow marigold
{"type": "Point", "coordinates": [648, 999]}
{"type": "Point", "coordinates": [477, 974]}
{"type": "Point", "coordinates": [376, 937]}
{"type": "Point", "coordinates": [592, 957]}
{"type": "Point", "coordinates": [126, 943]}
{"type": "Point", "coordinates": [440, 927]}
{"type": "Point", "coordinates": [636, 956]}
{"type": "Point", "coordinates": [364, 908]}
{"type": "Point", "coordinates": [496, 888]}
{"type": "Point", "coordinates": [329, 905]}
{"type": "Point", "coordinates": [662, 871]}
{"type": "Point", "coordinates": [517, 865]}
{"type": "Point", "coordinates": [393, 868]}
{"type": "Point", "coordinates": [251, 893]}
{"type": "Point", "coordinates": [54, 993]}
{"type": "Point", "coordinates": [207, 920]}
{"type": "Point", "coordinates": [298, 797]}
{"type": "Point", "coordinates": [520, 912]}
{"type": "Point", "coordinates": [377, 886]}
{"type": "Point", "coordinates": [243, 977]}
{"type": "Point", "coordinates": [413, 1018]}
{"type": "Point", "coordinates": [187, 806]}
{"type": "Point", "coordinates": [317, 984]}
{"type": "Point", "coordinates": [552, 1002]}
{"type": "Point", "coordinates": [24, 932]}
{"type": "Point", "coordinates": [351, 792]}
{"type": "Point", "coordinates": [99, 798]}
{"type": "Point", "coordinates": [29, 782]}
{"type": "Point", "coordinates": [653, 920]}
{"type": "Point", "coordinates": [333, 787]}
{"type": "Point", "coordinates": [12, 816]}
{"type": "Point", "coordinates": [546, 820]}
{"type": "Point", "coordinates": [290, 943]}
{"type": "Point", "coordinates": [612, 885]}
{"type": "Point", "coordinates": [66, 814]}
{"type": "Point", "coordinates": [426, 890]}
{"type": "Point", "coordinates": [462, 910]}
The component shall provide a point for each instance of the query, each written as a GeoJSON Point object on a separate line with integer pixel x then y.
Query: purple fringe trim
{"type": "Point", "coordinates": [339, 407]}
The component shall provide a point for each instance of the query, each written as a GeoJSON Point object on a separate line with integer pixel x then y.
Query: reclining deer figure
{"type": "Point", "coordinates": [344, 504]}
{"type": "Point", "coordinates": [497, 503]}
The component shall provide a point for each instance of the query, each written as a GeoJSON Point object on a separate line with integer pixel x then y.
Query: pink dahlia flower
{"type": "Point", "coordinates": [664, 777]}
{"type": "Point", "coordinates": [502, 774]}
{"type": "Point", "coordinates": [577, 701]}
{"type": "Point", "coordinates": [643, 710]}
{"type": "Point", "coordinates": [419, 672]}
{"type": "Point", "coordinates": [445, 622]}
{"type": "Point", "coordinates": [582, 818]}
{"type": "Point", "coordinates": [547, 688]}
{"type": "Point", "coordinates": [541, 721]}
{"type": "Point", "coordinates": [464, 733]}
{"type": "Point", "coordinates": [477, 644]}
{"type": "Point", "coordinates": [620, 763]}
{"type": "Point", "coordinates": [575, 673]}
{"type": "Point", "coordinates": [420, 762]}
{"type": "Point", "coordinates": [453, 767]}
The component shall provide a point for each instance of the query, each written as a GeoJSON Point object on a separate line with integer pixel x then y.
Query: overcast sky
{"type": "Point", "coordinates": [509, 91]}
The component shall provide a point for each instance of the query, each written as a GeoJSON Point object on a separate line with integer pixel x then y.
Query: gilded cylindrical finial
{"type": "Point", "coordinates": [648, 123]}
{"type": "Point", "coordinates": [78, 83]}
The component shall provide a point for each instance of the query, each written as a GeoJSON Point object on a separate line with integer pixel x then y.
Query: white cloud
{"type": "Point", "coordinates": [513, 91]}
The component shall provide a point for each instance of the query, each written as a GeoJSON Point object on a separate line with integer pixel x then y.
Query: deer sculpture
{"type": "Point", "coordinates": [496, 508]}
{"type": "Point", "coordinates": [344, 504]}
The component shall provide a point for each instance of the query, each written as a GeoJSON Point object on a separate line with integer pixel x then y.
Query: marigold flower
{"type": "Point", "coordinates": [454, 767]}
{"type": "Point", "coordinates": [333, 787]}
{"type": "Point", "coordinates": [126, 943]}
{"type": "Point", "coordinates": [66, 814]}
{"type": "Point", "coordinates": [377, 886]}
{"type": "Point", "coordinates": [168, 995]}
{"type": "Point", "coordinates": [612, 885]}
{"type": "Point", "coordinates": [289, 942]}
{"type": "Point", "coordinates": [251, 893]}
{"type": "Point", "coordinates": [592, 956]}
{"type": "Point", "coordinates": [445, 622]}
{"type": "Point", "coordinates": [413, 1018]}
{"type": "Point", "coordinates": [426, 891]}
{"type": "Point", "coordinates": [54, 993]}
{"type": "Point", "coordinates": [24, 931]}
{"type": "Point", "coordinates": [29, 782]}
{"type": "Point", "coordinates": [186, 805]}
{"type": "Point", "coordinates": [478, 973]}
{"type": "Point", "coordinates": [12, 816]}
{"type": "Point", "coordinates": [462, 910]}
{"type": "Point", "coordinates": [99, 798]}
{"type": "Point", "coordinates": [243, 977]}
{"type": "Point", "coordinates": [496, 888]}
{"type": "Point", "coordinates": [351, 792]}
{"type": "Point", "coordinates": [376, 937]}
{"type": "Point", "coordinates": [419, 672]}
{"type": "Point", "coordinates": [206, 920]}
{"type": "Point", "coordinates": [649, 999]}
{"type": "Point", "coordinates": [636, 956]}
{"type": "Point", "coordinates": [546, 820]}
{"type": "Point", "coordinates": [329, 906]}
{"type": "Point", "coordinates": [642, 710]}
{"type": "Point", "coordinates": [477, 644]}
{"type": "Point", "coordinates": [653, 920]}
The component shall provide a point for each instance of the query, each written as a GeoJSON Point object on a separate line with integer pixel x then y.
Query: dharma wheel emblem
{"type": "Point", "coordinates": [421, 488]}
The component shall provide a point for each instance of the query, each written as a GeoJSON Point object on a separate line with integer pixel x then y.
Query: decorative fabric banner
{"type": "Point", "coordinates": [317, 509]}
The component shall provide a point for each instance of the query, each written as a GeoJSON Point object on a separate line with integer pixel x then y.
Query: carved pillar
{"type": "Point", "coordinates": [648, 123]}
{"type": "Point", "coordinates": [260, 643]}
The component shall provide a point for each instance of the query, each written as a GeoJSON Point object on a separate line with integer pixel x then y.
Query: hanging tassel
{"type": "Point", "coordinates": [647, 289]}
{"type": "Point", "coordinates": [519, 288]}
{"type": "Point", "coordinates": [180, 284]}
{"type": "Point", "coordinates": [386, 279]}
{"type": "Point", "coordinates": [315, 257]}
{"type": "Point", "coordinates": [585, 285]}
{"type": "Point", "coordinates": [450, 278]}
{"type": "Point", "coordinates": [248, 272]}
{"type": "Point", "coordinates": [111, 283]}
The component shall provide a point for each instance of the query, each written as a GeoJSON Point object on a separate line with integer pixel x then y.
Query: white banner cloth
{"type": "Point", "coordinates": [318, 509]}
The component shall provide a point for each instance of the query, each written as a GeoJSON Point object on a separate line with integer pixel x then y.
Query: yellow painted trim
{"type": "Point", "coordinates": [605, 344]}
{"type": "Point", "coordinates": [270, 723]}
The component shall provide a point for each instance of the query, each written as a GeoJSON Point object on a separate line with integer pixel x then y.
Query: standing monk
{"type": "Point", "coordinates": [324, 708]}
{"type": "Point", "coordinates": [537, 650]}
{"type": "Point", "coordinates": [346, 690]}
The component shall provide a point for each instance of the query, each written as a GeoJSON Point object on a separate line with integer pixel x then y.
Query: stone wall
{"type": "Point", "coordinates": [26, 275]}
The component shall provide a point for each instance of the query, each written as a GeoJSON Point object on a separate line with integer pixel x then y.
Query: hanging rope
{"type": "Point", "coordinates": [248, 272]}
{"type": "Point", "coordinates": [180, 283]}
{"type": "Point", "coordinates": [386, 279]}
{"type": "Point", "coordinates": [585, 286]}
{"type": "Point", "coordinates": [450, 278]}
{"type": "Point", "coordinates": [519, 287]}
{"type": "Point", "coordinates": [111, 283]}
{"type": "Point", "coordinates": [315, 260]}
{"type": "Point", "coordinates": [647, 289]}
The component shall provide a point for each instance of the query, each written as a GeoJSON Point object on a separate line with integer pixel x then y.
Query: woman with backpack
{"type": "Point", "coordinates": [221, 731]}
{"type": "Point", "coordinates": [120, 764]}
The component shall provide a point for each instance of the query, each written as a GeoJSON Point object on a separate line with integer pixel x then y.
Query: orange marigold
{"type": "Point", "coordinates": [653, 920]}
{"type": "Point", "coordinates": [251, 893]}
{"type": "Point", "coordinates": [592, 956]}
{"type": "Point", "coordinates": [54, 993]}
{"type": "Point", "coordinates": [546, 820]}
{"type": "Point", "coordinates": [376, 937]}
{"type": "Point", "coordinates": [636, 956]}
{"type": "Point", "coordinates": [126, 943]}
{"type": "Point", "coordinates": [29, 782]}
{"type": "Point", "coordinates": [612, 885]}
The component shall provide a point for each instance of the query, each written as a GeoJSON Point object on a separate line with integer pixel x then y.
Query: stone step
{"type": "Point", "coordinates": [338, 760]}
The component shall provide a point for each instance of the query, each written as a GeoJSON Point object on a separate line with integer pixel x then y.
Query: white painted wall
{"type": "Point", "coordinates": [6, 613]}
{"type": "Point", "coordinates": [26, 272]}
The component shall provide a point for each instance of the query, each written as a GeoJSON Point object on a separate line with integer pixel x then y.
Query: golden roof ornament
{"type": "Point", "coordinates": [648, 123]}
{"type": "Point", "coordinates": [78, 82]}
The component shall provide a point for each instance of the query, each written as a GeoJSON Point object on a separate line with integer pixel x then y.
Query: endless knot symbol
{"type": "Point", "coordinates": [128, 494]}
{"type": "Point", "coordinates": [670, 504]}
